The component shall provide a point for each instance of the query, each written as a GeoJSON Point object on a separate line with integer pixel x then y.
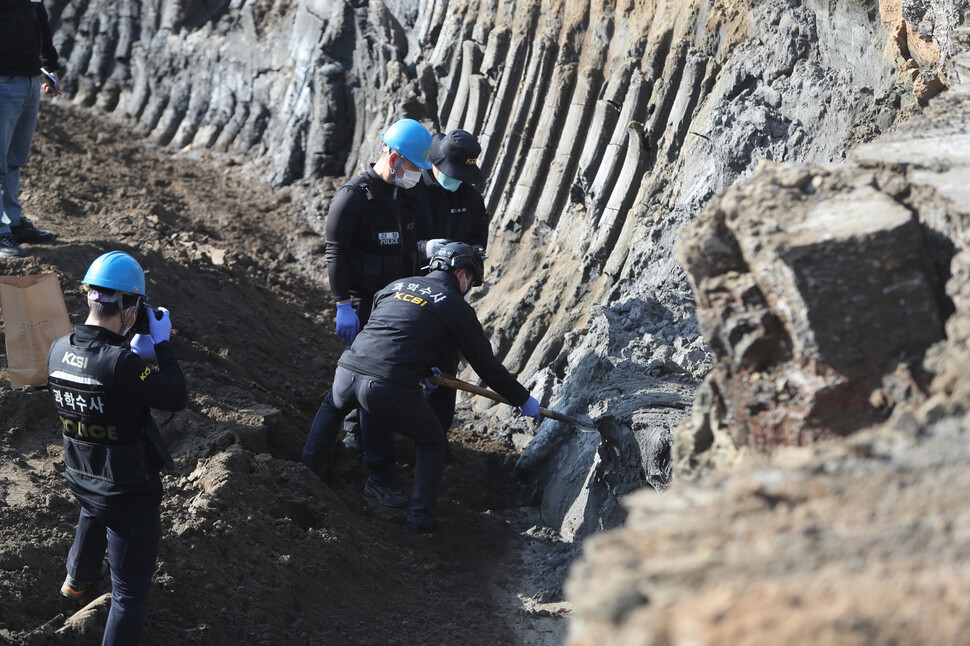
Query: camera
{"type": "Point", "coordinates": [141, 321]}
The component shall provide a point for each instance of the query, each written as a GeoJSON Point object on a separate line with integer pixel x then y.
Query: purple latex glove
{"type": "Point", "coordinates": [347, 322]}
{"type": "Point", "coordinates": [427, 380]}
{"type": "Point", "coordinates": [531, 408]}
{"type": "Point", "coordinates": [143, 346]}
{"type": "Point", "coordinates": [161, 328]}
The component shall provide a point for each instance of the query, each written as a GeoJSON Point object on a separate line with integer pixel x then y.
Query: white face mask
{"type": "Point", "coordinates": [410, 179]}
{"type": "Point", "coordinates": [126, 327]}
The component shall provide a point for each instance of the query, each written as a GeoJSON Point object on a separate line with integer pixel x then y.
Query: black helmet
{"type": "Point", "coordinates": [456, 255]}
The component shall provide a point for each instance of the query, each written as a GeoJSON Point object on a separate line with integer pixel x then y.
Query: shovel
{"type": "Point", "coordinates": [458, 384]}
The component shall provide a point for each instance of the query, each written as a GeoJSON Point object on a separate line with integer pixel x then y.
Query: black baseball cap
{"type": "Point", "coordinates": [456, 155]}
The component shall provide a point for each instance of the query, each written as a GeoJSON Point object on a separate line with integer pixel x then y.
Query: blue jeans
{"type": "Point", "coordinates": [19, 103]}
{"type": "Point", "coordinates": [384, 405]}
{"type": "Point", "coordinates": [131, 538]}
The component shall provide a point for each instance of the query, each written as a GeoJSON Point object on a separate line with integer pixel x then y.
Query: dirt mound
{"type": "Point", "coordinates": [255, 547]}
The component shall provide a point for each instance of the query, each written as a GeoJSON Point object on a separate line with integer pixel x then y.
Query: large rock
{"type": "Point", "coordinates": [856, 543]}
{"type": "Point", "coordinates": [810, 293]}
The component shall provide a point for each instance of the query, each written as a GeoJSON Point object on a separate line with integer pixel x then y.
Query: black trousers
{"type": "Point", "coordinates": [385, 407]}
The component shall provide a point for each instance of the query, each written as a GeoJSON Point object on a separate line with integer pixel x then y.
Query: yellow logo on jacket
{"type": "Point", "coordinates": [410, 298]}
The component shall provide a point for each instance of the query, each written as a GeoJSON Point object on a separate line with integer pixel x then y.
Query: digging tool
{"type": "Point", "coordinates": [458, 384]}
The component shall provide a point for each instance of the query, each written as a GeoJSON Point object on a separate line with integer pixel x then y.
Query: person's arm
{"type": "Point", "coordinates": [163, 389]}
{"type": "Point", "coordinates": [48, 54]}
{"type": "Point", "coordinates": [477, 351]}
{"type": "Point", "coordinates": [479, 215]}
{"type": "Point", "coordinates": [341, 229]}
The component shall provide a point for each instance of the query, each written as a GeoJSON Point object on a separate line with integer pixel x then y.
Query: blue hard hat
{"type": "Point", "coordinates": [118, 271]}
{"type": "Point", "coordinates": [409, 138]}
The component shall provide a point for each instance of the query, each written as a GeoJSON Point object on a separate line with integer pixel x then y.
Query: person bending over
{"type": "Point", "coordinates": [416, 324]}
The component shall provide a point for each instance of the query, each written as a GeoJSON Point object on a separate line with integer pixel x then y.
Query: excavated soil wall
{"type": "Point", "coordinates": [797, 535]}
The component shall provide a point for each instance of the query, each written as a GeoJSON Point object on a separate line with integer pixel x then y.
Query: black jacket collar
{"type": "Point", "coordinates": [89, 335]}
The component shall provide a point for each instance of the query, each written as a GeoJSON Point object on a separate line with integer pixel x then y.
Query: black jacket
{"type": "Point", "coordinates": [102, 393]}
{"type": "Point", "coordinates": [371, 235]}
{"type": "Point", "coordinates": [26, 44]}
{"type": "Point", "coordinates": [416, 324]}
{"type": "Point", "coordinates": [458, 215]}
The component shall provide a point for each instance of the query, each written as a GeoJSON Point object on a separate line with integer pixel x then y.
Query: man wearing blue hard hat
{"type": "Point", "coordinates": [103, 392]}
{"type": "Point", "coordinates": [371, 230]}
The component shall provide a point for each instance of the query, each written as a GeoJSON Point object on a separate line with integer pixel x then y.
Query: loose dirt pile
{"type": "Point", "coordinates": [256, 548]}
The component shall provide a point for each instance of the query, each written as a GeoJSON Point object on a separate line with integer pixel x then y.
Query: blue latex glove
{"type": "Point", "coordinates": [347, 322]}
{"type": "Point", "coordinates": [143, 346]}
{"type": "Point", "coordinates": [530, 408]}
{"type": "Point", "coordinates": [161, 329]}
{"type": "Point", "coordinates": [427, 380]}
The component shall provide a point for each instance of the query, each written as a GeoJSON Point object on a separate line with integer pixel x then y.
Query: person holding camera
{"type": "Point", "coordinates": [103, 393]}
{"type": "Point", "coordinates": [416, 324]}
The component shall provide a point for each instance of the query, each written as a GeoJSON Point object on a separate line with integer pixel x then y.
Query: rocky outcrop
{"type": "Point", "coordinates": [605, 127]}
{"type": "Point", "coordinates": [857, 542]}
{"type": "Point", "coordinates": [697, 107]}
{"type": "Point", "coordinates": [304, 87]}
{"type": "Point", "coordinates": [817, 296]}
{"type": "Point", "coordinates": [821, 291]}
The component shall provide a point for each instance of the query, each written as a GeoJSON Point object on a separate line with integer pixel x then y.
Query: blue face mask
{"type": "Point", "coordinates": [448, 183]}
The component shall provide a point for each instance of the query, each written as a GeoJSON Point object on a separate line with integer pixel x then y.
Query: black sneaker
{"type": "Point", "coordinates": [27, 232]}
{"type": "Point", "coordinates": [9, 247]}
{"type": "Point", "coordinates": [386, 494]}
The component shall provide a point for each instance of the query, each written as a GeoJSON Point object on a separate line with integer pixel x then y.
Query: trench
{"type": "Point", "coordinates": [584, 228]}
{"type": "Point", "coordinates": [255, 547]}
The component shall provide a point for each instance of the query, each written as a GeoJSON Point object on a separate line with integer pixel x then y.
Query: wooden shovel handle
{"type": "Point", "coordinates": [458, 384]}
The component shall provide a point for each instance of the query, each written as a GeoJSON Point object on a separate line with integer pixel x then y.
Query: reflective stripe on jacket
{"type": "Point", "coordinates": [103, 394]}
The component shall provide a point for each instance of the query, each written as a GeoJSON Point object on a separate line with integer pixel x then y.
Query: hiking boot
{"type": "Point", "coordinates": [72, 589]}
{"type": "Point", "coordinates": [27, 232]}
{"type": "Point", "coordinates": [387, 495]}
{"type": "Point", "coordinates": [9, 247]}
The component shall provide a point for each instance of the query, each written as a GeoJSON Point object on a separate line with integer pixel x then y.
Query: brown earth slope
{"type": "Point", "coordinates": [256, 548]}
